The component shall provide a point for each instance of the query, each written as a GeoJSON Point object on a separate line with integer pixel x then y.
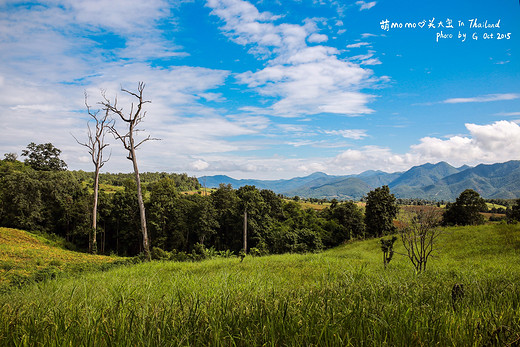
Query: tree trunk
{"type": "Point", "coordinates": [245, 231]}
{"type": "Point", "coordinates": [93, 238]}
{"type": "Point", "coordinates": [140, 200]}
{"type": "Point", "coordinates": [135, 117]}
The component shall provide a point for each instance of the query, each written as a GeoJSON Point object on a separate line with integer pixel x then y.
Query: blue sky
{"type": "Point", "coordinates": [268, 89]}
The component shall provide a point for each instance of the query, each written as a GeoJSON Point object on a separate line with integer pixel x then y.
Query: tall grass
{"type": "Point", "coordinates": [27, 257]}
{"type": "Point", "coordinates": [337, 298]}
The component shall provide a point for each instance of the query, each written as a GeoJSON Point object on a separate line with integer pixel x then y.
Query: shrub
{"type": "Point", "coordinates": [160, 254]}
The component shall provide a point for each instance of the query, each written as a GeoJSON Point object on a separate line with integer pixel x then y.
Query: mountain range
{"type": "Point", "coordinates": [438, 182]}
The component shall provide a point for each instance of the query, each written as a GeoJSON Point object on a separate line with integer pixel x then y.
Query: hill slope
{"type": "Point", "coordinates": [25, 256]}
{"type": "Point", "coordinates": [424, 175]}
{"type": "Point", "coordinates": [491, 181]}
{"type": "Point", "coordinates": [351, 188]}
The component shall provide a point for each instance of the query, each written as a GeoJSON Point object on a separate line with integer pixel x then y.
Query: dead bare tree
{"type": "Point", "coordinates": [95, 145]}
{"type": "Point", "coordinates": [134, 118]}
{"type": "Point", "coordinates": [419, 231]}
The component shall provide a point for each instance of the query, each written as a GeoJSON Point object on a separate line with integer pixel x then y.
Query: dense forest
{"type": "Point", "coordinates": [181, 218]}
{"type": "Point", "coordinates": [60, 202]}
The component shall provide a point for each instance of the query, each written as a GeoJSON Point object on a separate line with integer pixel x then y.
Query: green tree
{"type": "Point", "coordinates": [300, 230]}
{"type": "Point", "coordinates": [124, 221]}
{"type": "Point", "coordinates": [105, 207]}
{"type": "Point", "coordinates": [66, 206]}
{"type": "Point", "coordinates": [347, 223]}
{"type": "Point", "coordinates": [21, 200]}
{"type": "Point", "coordinates": [466, 209]}
{"type": "Point", "coordinates": [513, 214]}
{"type": "Point", "coordinates": [226, 204]}
{"type": "Point", "coordinates": [163, 215]}
{"type": "Point", "coordinates": [12, 157]}
{"type": "Point", "coordinates": [44, 157]}
{"type": "Point", "coordinates": [251, 202]}
{"type": "Point", "coordinates": [380, 211]}
{"type": "Point", "coordinates": [204, 218]}
{"type": "Point", "coordinates": [49, 201]}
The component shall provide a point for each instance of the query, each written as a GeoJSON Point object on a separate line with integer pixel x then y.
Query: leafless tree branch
{"type": "Point", "coordinates": [135, 116]}
{"type": "Point", "coordinates": [96, 145]}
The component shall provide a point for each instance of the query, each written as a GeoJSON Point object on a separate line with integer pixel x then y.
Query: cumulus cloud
{"type": "Point", "coordinates": [302, 79]}
{"type": "Point", "coordinates": [496, 142]}
{"type": "Point", "coordinates": [199, 165]}
{"type": "Point", "coordinates": [317, 38]}
{"type": "Point", "coordinates": [490, 143]}
{"type": "Point", "coordinates": [40, 97]}
{"type": "Point", "coordinates": [367, 158]}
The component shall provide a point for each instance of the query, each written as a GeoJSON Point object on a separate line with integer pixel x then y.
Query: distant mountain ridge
{"type": "Point", "coordinates": [439, 181]}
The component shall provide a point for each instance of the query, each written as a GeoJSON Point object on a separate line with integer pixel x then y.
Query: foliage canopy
{"type": "Point", "coordinates": [380, 211]}
{"type": "Point", "coordinates": [44, 157]}
{"type": "Point", "coordinates": [466, 209]}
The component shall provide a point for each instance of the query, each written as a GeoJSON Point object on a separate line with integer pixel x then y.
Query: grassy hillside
{"type": "Point", "coordinates": [336, 298]}
{"type": "Point", "coordinates": [25, 256]}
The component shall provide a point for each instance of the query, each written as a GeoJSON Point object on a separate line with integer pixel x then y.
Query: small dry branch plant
{"type": "Point", "coordinates": [419, 231]}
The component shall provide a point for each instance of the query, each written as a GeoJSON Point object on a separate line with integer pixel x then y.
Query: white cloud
{"type": "Point", "coordinates": [311, 167]}
{"type": "Point", "coordinates": [199, 165]}
{"type": "Point", "coordinates": [372, 61]}
{"type": "Point", "coordinates": [117, 15]}
{"type": "Point", "coordinates": [507, 114]}
{"type": "Point", "coordinates": [43, 100]}
{"type": "Point", "coordinates": [363, 5]}
{"type": "Point", "coordinates": [302, 80]}
{"type": "Point", "coordinates": [490, 143]}
{"type": "Point", "coordinates": [367, 158]}
{"type": "Point", "coordinates": [354, 134]}
{"type": "Point", "coordinates": [358, 44]}
{"type": "Point", "coordinates": [483, 98]}
{"type": "Point", "coordinates": [301, 143]}
{"type": "Point", "coordinates": [245, 25]}
{"type": "Point", "coordinates": [311, 87]}
{"type": "Point", "coordinates": [365, 59]}
{"type": "Point", "coordinates": [317, 38]}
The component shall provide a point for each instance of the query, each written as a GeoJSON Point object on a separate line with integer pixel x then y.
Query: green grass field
{"type": "Point", "coordinates": [340, 297]}
{"type": "Point", "coordinates": [25, 257]}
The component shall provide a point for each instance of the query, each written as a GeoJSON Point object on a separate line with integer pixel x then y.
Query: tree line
{"type": "Point", "coordinates": [59, 202]}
